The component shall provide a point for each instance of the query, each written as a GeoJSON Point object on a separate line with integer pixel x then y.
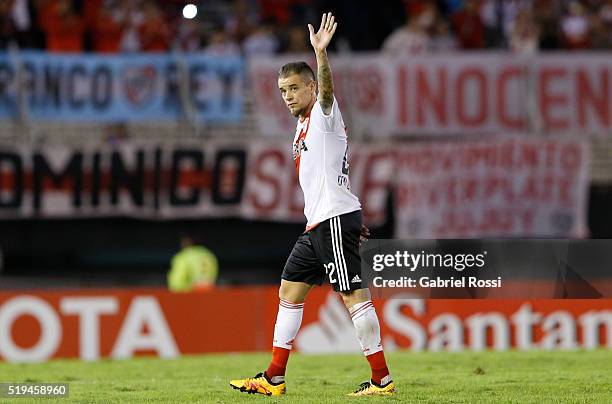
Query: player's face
{"type": "Point", "coordinates": [297, 94]}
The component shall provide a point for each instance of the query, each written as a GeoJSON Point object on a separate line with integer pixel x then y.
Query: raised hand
{"type": "Point", "coordinates": [320, 40]}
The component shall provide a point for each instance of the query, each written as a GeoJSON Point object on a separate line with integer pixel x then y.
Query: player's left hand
{"type": "Point", "coordinates": [364, 234]}
{"type": "Point", "coordinates": [320, 40]}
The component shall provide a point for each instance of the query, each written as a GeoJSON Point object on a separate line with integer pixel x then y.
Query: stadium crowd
{"type": "Point", "coordinates": [232, 27]}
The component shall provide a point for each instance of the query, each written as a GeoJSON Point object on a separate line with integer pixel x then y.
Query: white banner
{"type": "Point", "coordinates": [510, 187]}
{"type": "Point", "coordinates": [453, 94]}
{"type": "Point", "coordinates": [504, 186]}
{"type": "Point", "coordinates": [255, 180]}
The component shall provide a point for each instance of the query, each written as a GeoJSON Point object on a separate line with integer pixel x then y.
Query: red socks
{"type": "Point", "coordinates": [280, 356]}
{"type": "Point", "coordinates": [364, 318]}
{"type": "Point", "coordinates": [379, 368]}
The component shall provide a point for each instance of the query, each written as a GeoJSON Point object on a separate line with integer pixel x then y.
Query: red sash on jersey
{"type": "Point", "coordinates": [297, 146]}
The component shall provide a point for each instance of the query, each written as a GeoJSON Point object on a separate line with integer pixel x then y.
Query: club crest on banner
{"type": "Point", "coordinates": [139, 84]}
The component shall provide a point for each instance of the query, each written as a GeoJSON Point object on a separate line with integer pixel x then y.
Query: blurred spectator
{"type": "Point", "coordinates": [605, 16]}
{"type": "Point", "coordinates": [600, 34]}
{"type": "Point", "coordinates": [415, 7]}
{"type": "Point", "coordinates": [297, 40]}
{"type": "Point", "coordinates": [410, 39]}
{"type": "Point", "coordinates": [156, 25]}
{"type": "Point", "coordinates": [188, 38]}
{"type": "Point", "coordinates": [193, 268]}
{"type": "Point", "coordinates": [63, 26]}
{"type": "Point", "coordinates": [17, 27]}
{"type": "Point", "coordinates": [451, 6]}
{"type": "Point", "coordinates": [524, 34]}
{"type": "Point", "coordinates": [20, 12]}
{"type": "Point", "coordinates": [491, 15]}
{"type": "Point", "coordinates": [134, 18]}
{"type": "Point", "coordinates": [242, 20]}
{"type": "Point", "coordinates": [262, 41]}
{"type": "Point", "coordinates": [428, 17]}
{"type": "Point", "coordinates": [221, 43]}
{"type": "Point", "coordinates": [90, 11]}
{"type": "Point", "coordinates": [442, 39]}
{"type": "Point", "coordinates": [606, 12]}
{"type": "Point", "coordinates": [547, 14]}
{"type": "Point", "coordinates": [154, 32]}
{"type": "Point", "coordinates": [364, 24]}
{"type": "Point", "coordinates": [108, 28]}
{"type": "Point", "coordinates": [498, 17]}
{"type": "Point", "coordinates": [468, 26]}
{"type": "Point", "coordinates": [510, 11]}
{"type": "Point", "coordinates": [8, 28]}
{"type": "Point", "coordinates": [276, 10]}
{"type": "Point", "coordinates": [575, 27]}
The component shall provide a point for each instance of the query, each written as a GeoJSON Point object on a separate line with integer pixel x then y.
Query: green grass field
{"type": "Point", "coordinates": [488, 377]}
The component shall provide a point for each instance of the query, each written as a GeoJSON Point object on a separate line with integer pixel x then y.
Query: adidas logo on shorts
{"type": "Point", "coordinates": [356, 279]}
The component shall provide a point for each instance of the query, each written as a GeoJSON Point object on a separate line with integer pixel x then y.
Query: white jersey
{"type": "Point", "coordinates": [321, 161]}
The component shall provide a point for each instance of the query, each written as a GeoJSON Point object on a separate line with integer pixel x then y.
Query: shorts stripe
{"type": "Point", "coordinates": [336, 232]}
{"type": "Point", "coordinates": [332, 229]}
{"type": "Point", "coordinates": [342, 254]}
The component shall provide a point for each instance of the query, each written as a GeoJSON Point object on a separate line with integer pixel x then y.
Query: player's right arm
{"type": "Point", "coordinates": [319, 42]}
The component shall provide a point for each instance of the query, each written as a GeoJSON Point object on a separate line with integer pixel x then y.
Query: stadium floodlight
{"type": "Point", "coordinates": [190, 11]}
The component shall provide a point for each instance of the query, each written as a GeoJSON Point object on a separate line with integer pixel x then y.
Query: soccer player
{"type": "Point", "coordinates": [330, 245]}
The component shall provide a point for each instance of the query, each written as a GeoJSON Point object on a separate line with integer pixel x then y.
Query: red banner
{"type": "Point", "coordinates": [38, 326]}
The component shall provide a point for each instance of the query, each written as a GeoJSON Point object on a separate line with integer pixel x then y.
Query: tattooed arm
{"type": "Point", "coordinates": [319, 42]}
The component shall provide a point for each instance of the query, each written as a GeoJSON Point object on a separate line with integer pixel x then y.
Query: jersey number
{"type": "Point", "coordinates": [329, 270]}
